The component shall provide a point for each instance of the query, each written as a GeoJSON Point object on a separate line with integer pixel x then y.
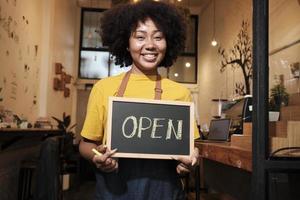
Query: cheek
{"type": "Point", "coordinates": [163, 47]}
{"type": "Point", "coordinates": [135, 48]}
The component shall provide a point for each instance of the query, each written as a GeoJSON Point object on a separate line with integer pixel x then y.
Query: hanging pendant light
{"type": "Point", "coordinates": [90, 34]}
{"type": "Point", "coordinates": [214, 41]}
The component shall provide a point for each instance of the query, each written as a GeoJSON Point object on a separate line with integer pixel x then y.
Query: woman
{"type": "Point", "coordinates": [145, 35]}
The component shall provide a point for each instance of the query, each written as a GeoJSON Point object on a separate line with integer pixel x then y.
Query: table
{"type": "Point", "coordinates": [226, 168]}
{"type": "Point", "coordinates": [9, 136]}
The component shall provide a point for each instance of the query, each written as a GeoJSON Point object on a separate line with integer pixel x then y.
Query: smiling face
{"type": "Point", "coordinates": [147, 47]}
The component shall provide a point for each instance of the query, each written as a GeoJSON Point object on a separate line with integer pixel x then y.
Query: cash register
{"type": "Point", "coordinates": [239, 111]}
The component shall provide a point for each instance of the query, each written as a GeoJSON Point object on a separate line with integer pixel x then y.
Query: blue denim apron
{"type": "Point", "coordinates": [140, 179]}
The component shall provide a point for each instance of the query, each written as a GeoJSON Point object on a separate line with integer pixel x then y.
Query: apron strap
{"type": "Point", "coordinates": [158, 91]}
{"type": "Point", "coordinates": [122, 87]}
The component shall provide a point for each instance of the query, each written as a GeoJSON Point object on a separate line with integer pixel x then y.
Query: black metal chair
{"type": "Point", "coordinates": [26, 177]}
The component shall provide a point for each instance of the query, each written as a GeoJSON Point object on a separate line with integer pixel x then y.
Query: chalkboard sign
{"type": "Point", "coordinates": [143, 128]}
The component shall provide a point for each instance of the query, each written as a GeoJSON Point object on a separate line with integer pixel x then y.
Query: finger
{"type": "Point", "coordinates": [182, 170]}
{"type": "Point", "coordinates": [101, 148]}
{"type": "Point", "coordinates": [106, 155]}
{"type": "Point", "coordinates": [174, 158]}
{"type": "Point", "coordinates": [185, 159]}
{"type": "Point", "coordinates": [110, 167]}
{"type": "Point", "coordinates": [97, 161]}
{"type": "Point", "coordinates": [113, 167]}
{"type": "Point", "coordinates": [112, 152]}
{"type": "Point", "coordinates": [195, 157]}
{"type": "Point", "coordinates": [117, 165]}
{"type": "Point", "coordinates": [107, 162]}
{"type": "Point", "coordinates": [184, 166]}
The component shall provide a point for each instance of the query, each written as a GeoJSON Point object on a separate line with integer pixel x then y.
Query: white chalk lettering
{"type": "Point", "coordinates": [140, 125]}
{"type": "Point", "coordinates": [155, 125]}
{"type": "Point", "coordinates": [171, 128]}
{"type": "Point", "coordinates": [134, 122]}
{"type": "Point", "coordinates": [141, 128]}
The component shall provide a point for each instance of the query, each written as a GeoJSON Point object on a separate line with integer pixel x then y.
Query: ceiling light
{"type": "Point", "coordinates": [176, 74]}
{"type": "Point", "coordinates": [214, 41]}
{"type": "Point", "coordinates": [187, 65]}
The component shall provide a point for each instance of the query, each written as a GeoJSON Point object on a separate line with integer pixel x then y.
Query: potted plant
{"type": "Point", "coordinates": [68, 152]}
{"type": "Point", "coordinates": [64, 125]}
{"type": "Point", "coordinates": [278, 98]}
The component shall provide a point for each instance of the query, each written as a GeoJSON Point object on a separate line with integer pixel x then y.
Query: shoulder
{"type": "Point", "coordinates": [107, 84]}
{"type": "Point", "coordinates": [108, 81]}
{"type": "Point", "coordinates": [176, 90]}
{"type": "Point", "coordinates": [175, 85]}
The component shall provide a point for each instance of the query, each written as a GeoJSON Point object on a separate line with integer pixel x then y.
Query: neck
{"type": "Point", "coordinates": [136, 70]}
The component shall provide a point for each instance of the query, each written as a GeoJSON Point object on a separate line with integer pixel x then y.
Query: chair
{"type": "Point", "coordinates": [26, 174]}
{"type": "Point", "coordinates": [41, 178]}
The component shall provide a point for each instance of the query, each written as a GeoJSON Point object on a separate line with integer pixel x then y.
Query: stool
{"type": "Point", "coordinates": [26, 173]}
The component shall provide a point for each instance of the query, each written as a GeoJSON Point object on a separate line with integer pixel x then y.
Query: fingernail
{"type": "Point", "coordinates": [194, 161]}
{"type": "Point", "coordinates": [174, 158]}
{"type": "Point", "coordinates": [113, 151]}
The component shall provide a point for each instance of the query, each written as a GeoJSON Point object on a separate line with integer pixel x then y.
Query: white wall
{"type": "Point", "coordinates": [284, 29]}
{"type": "Point", "coordinates": [213, 84]}
{"type": "Point", "coordinates": [20, 56]}
{"type": "Point", "coordinates": [45, 32]}
{"type": "Point", "coordinates": [64, 39]}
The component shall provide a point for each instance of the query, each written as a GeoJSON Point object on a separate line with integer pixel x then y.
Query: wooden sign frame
{"type": "Point", "coordinates": [110, 123]}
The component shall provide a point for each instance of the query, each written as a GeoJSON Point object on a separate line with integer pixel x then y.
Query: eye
{"type": "Point", "coordinates": [140, 38]}
{"type": "Point", "coordinates": [158, 38]}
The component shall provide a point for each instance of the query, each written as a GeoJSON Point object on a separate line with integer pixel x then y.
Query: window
{"type": "Point", "coordinates": [184, 69]}
{"type": "Point", "coordinates": [95, 62]}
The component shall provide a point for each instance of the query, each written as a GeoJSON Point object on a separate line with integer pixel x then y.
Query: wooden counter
{"type": "Point", "coordinates": [226, 154]}
{"type": "Point", "coordinates": [225, 169]}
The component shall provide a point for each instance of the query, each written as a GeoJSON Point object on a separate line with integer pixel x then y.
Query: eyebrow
{"type": "Point", "coordinates": [146, 31]}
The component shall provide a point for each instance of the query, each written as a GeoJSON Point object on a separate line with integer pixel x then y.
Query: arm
{"type": "Point", "coordinates": [85, 148]}
{"type": "Point", "coordinates": [103, 162]}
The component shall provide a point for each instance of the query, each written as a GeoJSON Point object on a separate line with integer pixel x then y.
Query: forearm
{"type": "Point", "coordinates": [103, 161]}
{"type": "Point", "coordinates": [85, 149]}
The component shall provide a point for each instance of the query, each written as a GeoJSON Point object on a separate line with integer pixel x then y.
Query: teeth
{"type": "Point", "coordinates": [149, 56]}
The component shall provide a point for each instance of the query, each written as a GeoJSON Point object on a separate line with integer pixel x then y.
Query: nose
{"type": "Point", "coordinates": [149, 45]}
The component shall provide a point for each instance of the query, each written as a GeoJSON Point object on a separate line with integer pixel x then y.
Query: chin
{"type": "Point", "coordinates": [149, 67]}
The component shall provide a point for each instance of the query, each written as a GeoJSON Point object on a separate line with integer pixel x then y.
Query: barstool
{"type": "Point", "coordinates": [26, 173]}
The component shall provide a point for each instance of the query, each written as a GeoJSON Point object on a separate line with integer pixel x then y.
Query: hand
{"type": "Point", "coordinates": [187, 164]}
{"type": "Point", "coordinates": [104, 162]}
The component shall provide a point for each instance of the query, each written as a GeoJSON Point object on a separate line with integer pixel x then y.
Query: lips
{"type": "Point", "coordinates": [150, 57]}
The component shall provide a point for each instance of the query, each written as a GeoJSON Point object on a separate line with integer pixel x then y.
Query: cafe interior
{"type": "Point", "coordinates": [241, 62]}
